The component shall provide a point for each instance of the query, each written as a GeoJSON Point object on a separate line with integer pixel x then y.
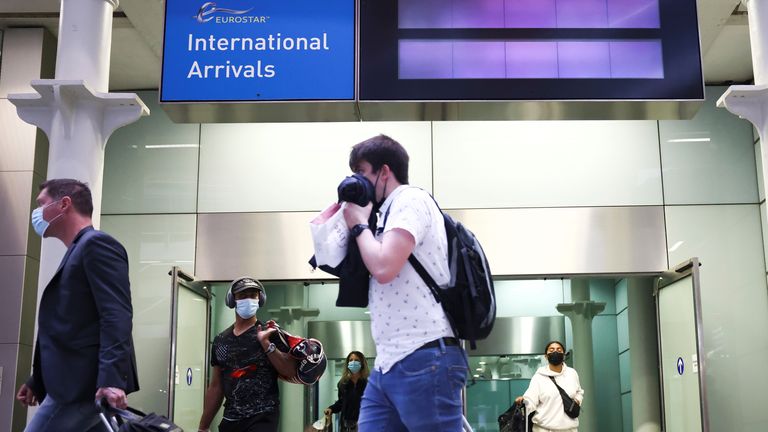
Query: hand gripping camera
{"type": "Point", "coordinates": [356, 189]}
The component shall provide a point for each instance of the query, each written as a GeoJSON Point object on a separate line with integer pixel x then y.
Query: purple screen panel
{"type": "Point", "coordinates": [530, 14]}
{"type": "Point", "coordinates": [582, 14]}
{"type": "Point", "coordinates": [456, 59]}
{"type": "Point", "coordinates": [583, 59]}
{"type": "Point", "coordinates": [478, 60]}
{"type": "Point", "coordinates": [424, 14]}
{"type": "Point", "coordinates": [633, 14]}
{"type": "Point", "coordinates": [531, 60]}
{"type": "Point", "coordinates": [443, 14]}
{"type": "Point", "coordinates": [425, 60]}
{"type": "Point", "coordinates": [478, 14]}
{"type": "Point", "coordinates": [636, 59]}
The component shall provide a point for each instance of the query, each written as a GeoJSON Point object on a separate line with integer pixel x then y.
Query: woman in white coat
{"type": "Point", "coordinates": [543, 396]}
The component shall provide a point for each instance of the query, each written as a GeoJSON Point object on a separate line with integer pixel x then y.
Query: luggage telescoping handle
{"type": "Point", "coordinates": [105, 415]}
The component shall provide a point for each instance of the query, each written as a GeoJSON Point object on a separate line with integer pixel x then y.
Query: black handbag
{"type": "Point", "coordinates": [515, 418]}
{"type": "Point", "coordinates": [572, 409]}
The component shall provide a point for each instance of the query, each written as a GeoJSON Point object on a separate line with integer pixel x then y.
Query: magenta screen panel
{"type": "Point", "coordinates": [529, 49]}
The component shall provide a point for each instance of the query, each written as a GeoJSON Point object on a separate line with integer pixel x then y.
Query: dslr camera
{"type": "Point", "coordinates": [357, 190]}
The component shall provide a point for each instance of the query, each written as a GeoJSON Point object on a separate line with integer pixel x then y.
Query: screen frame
{"type": "Point", "coordinates": [678, 32]}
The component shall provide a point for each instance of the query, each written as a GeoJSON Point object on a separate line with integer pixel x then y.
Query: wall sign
{"type": "Point", "coordinates": [265, 50]}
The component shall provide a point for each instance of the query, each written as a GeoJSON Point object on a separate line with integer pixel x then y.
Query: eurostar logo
{"type": "Point", "coordinates": [209, 11]}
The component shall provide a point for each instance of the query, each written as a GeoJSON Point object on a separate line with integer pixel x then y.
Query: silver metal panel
{"type": "Point", "coordinates": [13, 270]}
{"type": "Point", "coordinates": [16, 192]}
{"type": "Point", "coordinates": [529, 110]}
{"type": "Point", "coordinates": [262, 112]}
{"type": "Point", "coordinates": [518, 242]}
{"type": "Point", "coordinates": [269, 246]}
{"type": "Point", "coordinates": [521, 335]}
{"type": "Point", "coordinates": [28, 53]}
{"type": "Point", "coordinates": [245, 112]}
{"type": "Point", "coordinates": [570, 241]}
{"type": "Point", "coordinates": [341, 337]}
{"type": "Point", "coordinates": [510, 335]}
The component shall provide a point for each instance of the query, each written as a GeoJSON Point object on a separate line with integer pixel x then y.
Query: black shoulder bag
{"type": "Point", "coordinates": [570, 406]}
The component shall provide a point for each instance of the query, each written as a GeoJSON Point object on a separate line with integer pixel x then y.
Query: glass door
{"type": "Point", "coordinates": [190, 327]}
{"type": "Point", "coordinates": [678, 305]}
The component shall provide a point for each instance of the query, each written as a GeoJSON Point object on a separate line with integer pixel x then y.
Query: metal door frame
{"type": "Point", "coordinates": [687, 268]}
{"type": "Point", "coordinates": [179, 278]}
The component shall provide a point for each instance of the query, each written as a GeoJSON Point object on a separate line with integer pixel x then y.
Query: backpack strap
{"type": "Point", "coordinates": [424, 274]}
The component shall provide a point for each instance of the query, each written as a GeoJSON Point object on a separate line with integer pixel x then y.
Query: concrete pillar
{"type": "Point", "coordinates": [27, 54]}
{"type": "Point", "coordinates": [643, 355]}
{"type": "Point", "coordinates": [580, 311]}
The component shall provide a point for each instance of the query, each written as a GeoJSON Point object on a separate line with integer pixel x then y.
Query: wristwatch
{"type": "Point", "coordinates": [270, 348]}
{"type": "Point", "coordinates": [358, 229]}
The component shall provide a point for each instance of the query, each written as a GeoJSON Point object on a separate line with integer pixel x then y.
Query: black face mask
{"type": "Point", "coordinates": [555, 358]}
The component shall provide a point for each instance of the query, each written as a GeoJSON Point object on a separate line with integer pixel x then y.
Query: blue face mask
{"type": "Point", "coordinates": [354, 366]}
{"type": "Point", "coordinates": [246, 308]}
{"type": "Point", "coordinates": [39, 224]}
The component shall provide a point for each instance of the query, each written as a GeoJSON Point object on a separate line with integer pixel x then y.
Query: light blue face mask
{"type": "Point", "coordinates": [39, 224]}
{"type": "Point", "coordinates": [246, 308]}
{"type": "Point", "coordinates": [354, 366]}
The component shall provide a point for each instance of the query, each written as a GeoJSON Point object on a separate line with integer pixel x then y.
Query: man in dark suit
{"type": "Point", "coordinates": [84, 350]}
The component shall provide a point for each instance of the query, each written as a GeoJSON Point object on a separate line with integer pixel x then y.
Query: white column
{"type": "Point", "coordinates": [751, 101]}
{"type": "Point", "coordinates": [580, 311]}
{"type": "Point", "coordinates": [75, 110]}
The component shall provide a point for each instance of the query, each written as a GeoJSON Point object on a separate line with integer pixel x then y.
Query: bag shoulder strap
{"type": "Point", "coordinates": [423, 273]}
{"type": "Point", "coordinates": [557, 385]}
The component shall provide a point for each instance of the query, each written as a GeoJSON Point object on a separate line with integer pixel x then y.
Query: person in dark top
{"type": "Point", "coordinates": [351, 387]}
{"type": "Point", "coordinates": [246, 366]}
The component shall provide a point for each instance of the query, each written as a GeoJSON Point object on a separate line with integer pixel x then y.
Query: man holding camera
{"type": "Point", "coordinates": [420, 367]}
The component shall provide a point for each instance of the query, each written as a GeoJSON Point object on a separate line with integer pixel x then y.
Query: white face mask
{"type": "Point", "coordinates": [39, 224]}
{"type": "Point", "coordinates": [246, 308]}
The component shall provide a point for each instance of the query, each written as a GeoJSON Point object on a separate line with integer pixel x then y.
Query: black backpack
{"type": "Point", "coordinates": [468, 300]}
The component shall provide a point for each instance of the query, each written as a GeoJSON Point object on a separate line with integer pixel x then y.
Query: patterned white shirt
{"type": "Point", "coordinates": [404, 313]}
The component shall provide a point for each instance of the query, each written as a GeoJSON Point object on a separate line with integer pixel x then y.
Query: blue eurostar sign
{"type": "Point", "coordinates": [258, 50]}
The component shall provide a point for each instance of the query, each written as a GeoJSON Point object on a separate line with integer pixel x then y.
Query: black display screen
{"type": "Point", "coordinates": [529, 50]}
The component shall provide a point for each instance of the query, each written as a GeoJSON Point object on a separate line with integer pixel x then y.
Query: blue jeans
{"type": "Point", "coordinates": [421, 392]}
{"type": "Point", "coordinates": [53, 416]}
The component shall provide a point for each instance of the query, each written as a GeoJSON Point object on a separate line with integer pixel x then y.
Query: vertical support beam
{"type": "Point", "coordinates": [74, 110]}
{"type": "Point", "coordinates": [27, 53]}
{"type": "Point", "coordinates": [580, 311]}
{"type": "Point", "coordinates": [643, 356]}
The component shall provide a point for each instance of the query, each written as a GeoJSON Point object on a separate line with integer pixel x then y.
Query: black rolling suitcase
{"type": "Point", "coordinates": [132, 420]}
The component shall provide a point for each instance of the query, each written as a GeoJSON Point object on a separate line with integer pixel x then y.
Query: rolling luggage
{"type": "Point", "coordinates": [132, 420]}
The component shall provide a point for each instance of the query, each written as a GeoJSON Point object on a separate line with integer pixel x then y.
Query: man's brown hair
{"type": "Point", "coordinates": [378, 151]}
{"type": "Point", "coordinates": [77, 191]}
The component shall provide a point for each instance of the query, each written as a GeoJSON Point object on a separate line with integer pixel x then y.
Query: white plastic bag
{"type": "Point", "coordinates": [320, 424]}
{"type": "Point", "coordinates": [330, 235]}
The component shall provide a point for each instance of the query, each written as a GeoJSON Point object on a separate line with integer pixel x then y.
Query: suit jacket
{"type": "Point", "coordinates": [84, 323]}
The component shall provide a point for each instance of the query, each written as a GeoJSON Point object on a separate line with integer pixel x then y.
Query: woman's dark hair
{"type": "Point", "coordinates": [364, 372]}
{"type": "Point", "coordinates": [77, 191]}
{"type": "Point", "coordinates": [554, 342]}
{"type": "Point", "coordinates": [378, 151]}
